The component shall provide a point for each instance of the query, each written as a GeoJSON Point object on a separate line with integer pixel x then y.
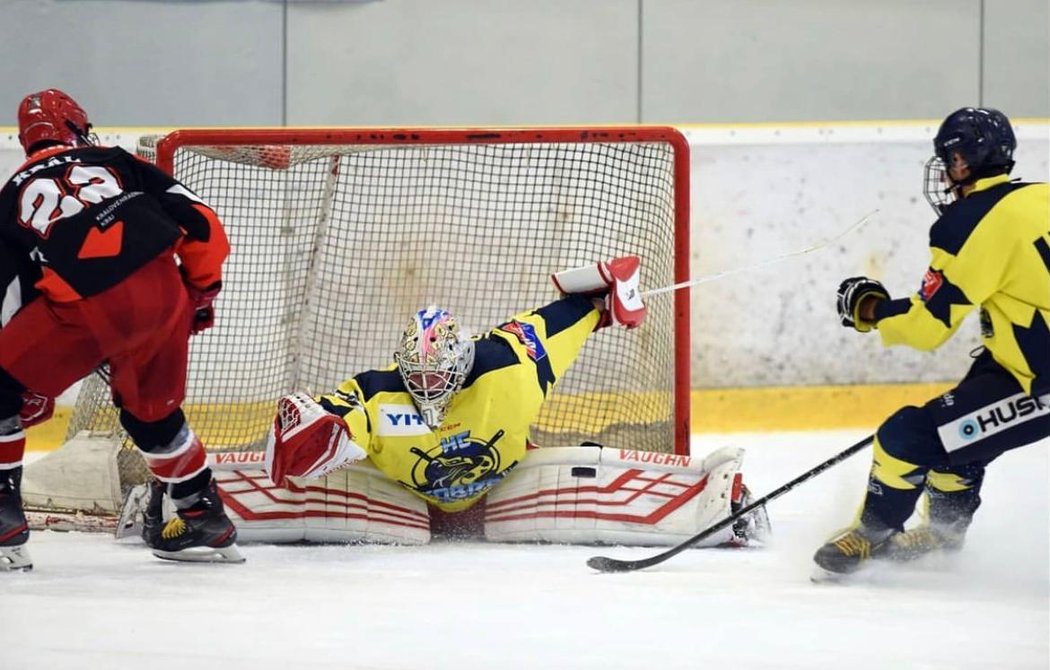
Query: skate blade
{"type": "Point", "coordinates": [14, 559]}
{"type": "Point", "coordinates": [823, 576]}
{"type": "Point", "coordinates": [228, 554]}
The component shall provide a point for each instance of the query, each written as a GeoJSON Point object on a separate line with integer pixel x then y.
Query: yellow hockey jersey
{"type": "Point", "coordinates": [486, 427]}
{"type": "Point", "coordinates": [991, 249]}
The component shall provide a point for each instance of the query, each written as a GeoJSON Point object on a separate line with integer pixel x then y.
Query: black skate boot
{"type": "Point", "coordinates": [201, 532]}
{"type": "Point", "coordinates": [850, 550]}
{"type": "Point", "coordinates": [14, 531]}
{"type": "Point", "coordinates": [153, 514]}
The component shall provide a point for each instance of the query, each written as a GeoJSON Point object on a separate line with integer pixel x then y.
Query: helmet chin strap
{"type": "Point", "coordinates": [954, 188]}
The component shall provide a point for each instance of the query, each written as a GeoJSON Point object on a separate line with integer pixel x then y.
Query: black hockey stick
{"type": "Point", "coordinates": [606, 564]}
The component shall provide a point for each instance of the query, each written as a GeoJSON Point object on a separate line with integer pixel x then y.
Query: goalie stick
{"type": "Point", "coordinates": [606, 564]}
{"type": "Point", "coordinates": [761, 264]}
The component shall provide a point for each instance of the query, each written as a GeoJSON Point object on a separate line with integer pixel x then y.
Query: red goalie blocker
{"type": "Point", "coordinates": [617, 279]}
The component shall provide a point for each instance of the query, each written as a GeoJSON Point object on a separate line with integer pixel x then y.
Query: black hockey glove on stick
{"type": "Point", "coordinates": [606, 564]}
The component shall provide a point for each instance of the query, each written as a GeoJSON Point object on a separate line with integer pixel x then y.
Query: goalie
{"type": "Point", "coordinates": [447, 425]}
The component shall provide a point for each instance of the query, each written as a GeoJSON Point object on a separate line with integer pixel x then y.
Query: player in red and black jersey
{"type": "Point", "coordinates": [129, 262]}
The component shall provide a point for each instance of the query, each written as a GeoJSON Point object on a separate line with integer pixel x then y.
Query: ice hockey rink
{"type": "Point", "coordinates": [91, 602]}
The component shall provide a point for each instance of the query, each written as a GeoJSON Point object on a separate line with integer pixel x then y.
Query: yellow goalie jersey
{"type": "Point", "coordinates": [989, 250]}
{"type": "Point", "coordinates": [486, 428]}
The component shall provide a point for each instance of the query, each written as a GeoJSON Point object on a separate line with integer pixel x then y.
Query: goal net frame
{"type": "Point", "coordinates": [269, 149]}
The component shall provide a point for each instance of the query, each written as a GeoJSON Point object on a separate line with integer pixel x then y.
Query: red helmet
{"type": "Point", "coordinates": [51, 116]}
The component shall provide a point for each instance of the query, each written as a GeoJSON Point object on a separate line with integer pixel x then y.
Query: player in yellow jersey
{"type": "Point", "coordinates": [990, 251]}
{"type": "Point", "coordinates": [450, 418]}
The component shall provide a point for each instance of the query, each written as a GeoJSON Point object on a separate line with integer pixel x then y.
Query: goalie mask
{"type": "Point", "coordinates": [434, 357]}
{"type": "Point", "coordinates": [52, 117]}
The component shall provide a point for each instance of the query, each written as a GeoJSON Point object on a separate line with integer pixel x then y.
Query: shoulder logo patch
{"type": "Point", "coordinates": [931, 282]}
{"type": "Point", "coordinates": [526, 334]}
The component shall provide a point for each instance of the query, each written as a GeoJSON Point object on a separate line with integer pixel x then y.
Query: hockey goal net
{"type": "Point", "coordinates": [338, 236]}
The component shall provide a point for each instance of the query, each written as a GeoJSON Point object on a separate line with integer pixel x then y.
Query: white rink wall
{"type": "Point", "coordinates": [759, 192]}
{"type": "Point", "coordinates": [762, 192]}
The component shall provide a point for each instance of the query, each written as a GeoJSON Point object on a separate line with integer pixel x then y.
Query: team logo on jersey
{"type": "Point", "coordinates": [400, 420]}
{"type": "Point", "coordinates": [526, 334]}
{"type": "Point", "coordinates": [931, 281]}
{"type": "Point", "coordinates": [461, 467]}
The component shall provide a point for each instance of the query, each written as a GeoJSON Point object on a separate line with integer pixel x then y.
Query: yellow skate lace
{"type": "Point", "coordinates": [174, 528]}
{"type": "Point", "coordinates": [853, 544]}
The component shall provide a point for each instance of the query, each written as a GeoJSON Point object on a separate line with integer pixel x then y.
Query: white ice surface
{"type": "Point", "coordinates": [93, 603]}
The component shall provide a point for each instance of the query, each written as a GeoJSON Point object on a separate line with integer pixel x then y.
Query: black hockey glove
{"type": "Point", "coordinates": [852, 292]}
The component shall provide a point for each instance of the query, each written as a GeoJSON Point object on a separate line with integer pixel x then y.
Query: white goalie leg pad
{"type": "Point", "coordinates": [595, 495]}
{"type": "Point", "coordinates": [358, 504]}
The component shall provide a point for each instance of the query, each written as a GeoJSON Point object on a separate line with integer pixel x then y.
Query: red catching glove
{"type": "Point", "coordinates": [36, 408]}
{"type": "Point", "coordinates": [307, 441]}
{"type": "Point", "coordinates": [203, 311]}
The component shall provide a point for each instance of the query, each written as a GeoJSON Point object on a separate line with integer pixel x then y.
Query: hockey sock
{"type": "Point", "coordinates": [174, 454]}
{"type": "Point", "coordinates": [894, 486]}
{"type": "Point", "coordinates": [954, 496]}
{"type": "Point", "coordinates": [12, 446]}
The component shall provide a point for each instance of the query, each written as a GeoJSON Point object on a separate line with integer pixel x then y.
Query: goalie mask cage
{"type": "Point", "coordinates": [339, 235]}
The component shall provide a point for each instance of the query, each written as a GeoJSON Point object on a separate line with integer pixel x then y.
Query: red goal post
{"type": "Point", "coordinates": [338, 235]}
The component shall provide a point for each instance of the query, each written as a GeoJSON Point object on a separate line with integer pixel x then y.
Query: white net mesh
{"type": "Point", "coordinates": [335, 245]}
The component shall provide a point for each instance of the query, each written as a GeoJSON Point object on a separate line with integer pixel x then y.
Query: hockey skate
{"type": "Point", "coordinates": [921, 541]}
{"type": "Point", "coordinates": [849, 551]}
{"type": "Point", "coordinates": [200, 533]}
{"type": "Point", "coordinates": [14, 531]}
{"type": "Point", "coordinates": [947, 518]}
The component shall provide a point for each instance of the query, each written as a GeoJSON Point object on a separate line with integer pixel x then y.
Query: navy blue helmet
{"type": "Point", "coordinates": [982, 137]}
